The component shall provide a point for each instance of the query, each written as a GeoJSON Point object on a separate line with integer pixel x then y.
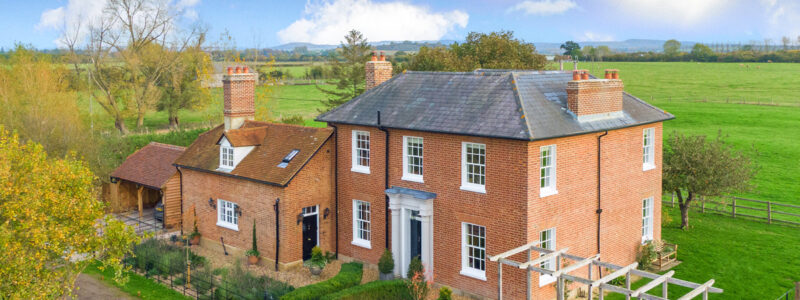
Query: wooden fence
{"type": "Point", "coordinates": [768, 211]}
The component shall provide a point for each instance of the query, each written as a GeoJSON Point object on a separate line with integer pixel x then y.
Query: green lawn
{"type": "Point", "coordinates": [137, 285]}
{"type": "Point", "coordinates": [747, 259]}
{"type": "Point", "coordinates": [772, 130]}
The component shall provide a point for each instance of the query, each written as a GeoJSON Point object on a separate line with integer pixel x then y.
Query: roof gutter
{"type": "Point", "coordinates": [385, 179]}
{"type": "Point", "coordinates": [229, 175]}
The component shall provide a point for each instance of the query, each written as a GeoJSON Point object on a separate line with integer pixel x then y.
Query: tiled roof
{"type": "Point", "coordinates": [524, 105]}
{"type": "Point", "coordinates": [150, 166]}
{"type": "Point", "coordinates": [245, 136]}
{"type": "Point", "coordinates": [261, 164]}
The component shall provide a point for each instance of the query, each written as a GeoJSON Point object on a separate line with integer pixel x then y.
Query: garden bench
{"type": "Point", "coordinates": [666, 253]}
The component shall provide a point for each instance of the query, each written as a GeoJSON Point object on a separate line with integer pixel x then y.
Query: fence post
{"type": "Point", "coordinates": [769, 212]}
{"type": "Point", "coordinates": [673, 199]}
{"type": "Point", "coordinates": [703, 205]}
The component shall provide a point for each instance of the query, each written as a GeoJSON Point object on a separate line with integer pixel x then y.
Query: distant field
{"type": "Point", "coordinates": [773, 131]}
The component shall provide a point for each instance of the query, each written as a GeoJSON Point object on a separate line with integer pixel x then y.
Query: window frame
{"type": "Point", "coordinates": [226, 151]}
{"type": "Point", "coordinates": [648, 149]}
{"type": "Point", "coordinates": [466, 269]}
{"type": "Point", "coordinates": [545, 279]}
{"type": "Point", "coordinates": [552, 168]}
{"type": "Point", "coordinates": [465, 184]}
{"type": "Point", "coordinates": [222, 208]}
{"type": "Point", "coordinates": [357, 221]}
{"type": "Point", "coordinates": [355, 153]}
{"type": "Point", "coordinates": [647, 220]}
{"type": "Point", "coordinates": [407, 159]}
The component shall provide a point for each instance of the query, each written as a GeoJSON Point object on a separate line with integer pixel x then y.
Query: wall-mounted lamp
{"type": "Point", "coordinates": [325, 213]}
{"type": "Point", "coordinates": [212, 203]}
{"type": "Point", "coordinates": [114, 179]}
{"type": "Point", "coordinates": [299, 218]}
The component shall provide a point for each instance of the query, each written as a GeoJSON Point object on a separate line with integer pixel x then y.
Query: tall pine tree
{"type": "Point", "coordinates": [347, 65]}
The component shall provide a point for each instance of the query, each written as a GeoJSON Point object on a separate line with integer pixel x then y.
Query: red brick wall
{"type": "Point", "coordinates": [311, 186]}
{"type": "Point", "coordinates": [512, 173]}
{"type": "Point", "coordinates": [239, 94]}
{"type": "Point", "coordinates": [588, 97]}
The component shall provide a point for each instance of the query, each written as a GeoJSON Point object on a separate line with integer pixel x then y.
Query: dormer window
{"type": "Point", "coordinates": [225, 157]}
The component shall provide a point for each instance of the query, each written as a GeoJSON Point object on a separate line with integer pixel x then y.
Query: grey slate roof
{"type": "Point", "coordinates": [422, 195]}
{"type": "Point", "coordinates": [513, 104]}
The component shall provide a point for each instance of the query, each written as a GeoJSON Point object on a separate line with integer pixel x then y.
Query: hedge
{"type": "Point", "coordinates": [349, 276]}
{"type": "Point", "coordinates": [390, 290]}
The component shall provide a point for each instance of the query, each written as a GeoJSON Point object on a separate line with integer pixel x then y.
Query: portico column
{"type": "Point", "coordinates": [396, 236]}
{"type": "Point", "coordinates": [426, 216]}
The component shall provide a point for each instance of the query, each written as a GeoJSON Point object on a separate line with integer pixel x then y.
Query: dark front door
{"type": "Point", "coordinates": [416, 235]}
{"type": "Point", "coordinates": [309, 235]}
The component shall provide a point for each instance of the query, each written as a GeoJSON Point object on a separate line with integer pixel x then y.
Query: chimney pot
{"type": "Point", "coordinates": [238, 70]}
{"type": "Point", "coordinates": [383, 57]}
{"type": "Point", "coordinates": [615, 74]}
{"type": "Point", "coordinates": [608, 73]}
{"type": "Point", "coordinates": [584, 74]}
{"type": "Point", "coordinates": [576, 75]}
{"type": "Point", "coordinates": [246, 70]}
{"type": "Point", "coordinates": [230, 71]}
{"type": "Point", "coordinates": [374, 57]}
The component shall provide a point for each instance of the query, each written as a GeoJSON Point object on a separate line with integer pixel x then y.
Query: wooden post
{"type": "Point", "coordinates": [703, 205]}
{"type": "Point", "coordinates": [769, 212]}
{"type": "Point", "coordinates": [797, 290]}
{"type": "Point", "coordinates": [733, 208]}
{"type": "Point", "coordinates": [664, 288]}
{"type": "Point", "coordinates": [139, 198]}
{"type": "Point", "coordinates": [628, 284]}
{"type": "Point", "coordinates": [500, 280]}
{"type": "Point", "coordinates": [673, 199]}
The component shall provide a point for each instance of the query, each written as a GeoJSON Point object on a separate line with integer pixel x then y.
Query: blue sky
{"type": "Point", "coordinates": [269, 23]}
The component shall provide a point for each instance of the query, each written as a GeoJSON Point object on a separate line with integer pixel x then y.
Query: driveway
{"type": "Point", "coordinates": [90, 287]}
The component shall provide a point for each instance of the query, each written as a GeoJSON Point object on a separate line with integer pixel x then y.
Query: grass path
{"type": "Point", "coordinates": [747, 259]}
{"type": "Point", "coordinates": [137, 285]}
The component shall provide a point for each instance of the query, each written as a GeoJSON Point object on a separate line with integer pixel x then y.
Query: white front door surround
{"type": "Point", "coordinates": [402, 203]}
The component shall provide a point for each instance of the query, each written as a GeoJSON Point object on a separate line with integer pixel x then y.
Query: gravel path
{"type": "Point", "coordinates": [90, 287]}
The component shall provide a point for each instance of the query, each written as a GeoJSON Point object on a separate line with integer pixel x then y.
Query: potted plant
{"type": "Point", "coordinates": [386, 265]}
{"type": "Point", "coordinates": [252, 254]}
{"type": "Point", "coordinates": [195, 235]}
{"type": "Point", "coordinates": [317, 261]}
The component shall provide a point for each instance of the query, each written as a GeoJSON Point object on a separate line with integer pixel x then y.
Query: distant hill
{"type": "Point", "coordinates": [631, 45]}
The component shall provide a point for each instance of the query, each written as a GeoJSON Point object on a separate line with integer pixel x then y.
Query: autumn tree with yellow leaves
{"type": "Point", "coordinates": [51, 223]}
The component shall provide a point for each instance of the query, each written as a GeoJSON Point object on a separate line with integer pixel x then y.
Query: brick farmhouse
{"type": "Point", "coordinates": [450, 167]}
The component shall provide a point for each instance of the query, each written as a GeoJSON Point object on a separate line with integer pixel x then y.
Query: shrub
{"type": "Point", "coordinates": [418, 287]}
{"type": "Point", "coordinates": [388, 290]}
{"type": "Point", "coordinates": [294, 119]}
{"type": "Point", "coordinates": [349, 276]}
{"type": "Point", "coordinates": [415, 267]}
{"type": "Point", "coordinates": [386, 263]}
{"type": "Point", "coordinates": [646, 255]}
{"type": "Point", "coordinates": [317, 259]}
{"type": "Point", "coordinates": [253, 251]}
{"type": "Point", "coordinates": [445, 293]}
{"type": "Point", "coordinates": [203, 280]}
{"type": "Point", "coordinates": [242, 284]}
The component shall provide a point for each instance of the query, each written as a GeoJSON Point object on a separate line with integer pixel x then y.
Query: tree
{"type": "Point", "coordinates": [496, 50]}
{"type": "Point", "coordinates": [671, 48]}
{"type": "Point", "coordinates": [786, 41]}
{"type": "Point", "coordinates": [702, 52]}
{"type": "Point", "coordinates": [603, 51]}
{"type": "Point", "coordinates": [131, 46]}
{"type": "Point", "coordinates": [51, 223]}
{"type": "Point", "coordinates": [589, 52]}
{"type": "Point", "coordinates": [181, 85]}
{"type": "Point", "coordinates": [697, 166]}
{"type": "Point", "coordinates": [347, 67]}
{"type": "Point", "coordinates": [572, 49]}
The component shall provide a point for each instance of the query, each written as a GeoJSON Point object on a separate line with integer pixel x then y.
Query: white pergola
{"type": "Point", "coordinates": [562, 273]}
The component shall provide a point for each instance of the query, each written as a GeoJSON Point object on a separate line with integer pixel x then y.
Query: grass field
{"type": "Point", "coordinates": [772, 130]}
{"type": "Point", "coordinates": [748, 260]}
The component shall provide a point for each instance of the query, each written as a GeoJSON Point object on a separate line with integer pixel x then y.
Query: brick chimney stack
{"type": "Point", "coordinates": [239, 89]}
{"type": "Point", "coordinates": [377, 70]}
{"type": "Point", "coordinates": [595, 99]}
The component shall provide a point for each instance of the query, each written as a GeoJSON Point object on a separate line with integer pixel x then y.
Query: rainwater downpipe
{"type": "Point", "coordinates": [181, 188]}
{"type": "Point", "coordinates": [386, 180]}
{"type": "Point", "coordinates": [336, 185]}
{"type": "Point", "coordinates": [599, 207]}
{"type": "Point", "coordinates": [277, 232]}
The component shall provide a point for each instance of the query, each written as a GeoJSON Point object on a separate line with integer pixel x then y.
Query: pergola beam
{"type": "Point", "coordinates": [577, 265]}
{"type": "Point", "coordinates": [615, 274]}
{"type": "Point", "coordinates": [703, 288]}
{"type": "Point", "coordinates": [542, 258]}
{"type": "Point", "coordinates": [652, 284]}
{"type": "Point", "coordinates": [514, 251]}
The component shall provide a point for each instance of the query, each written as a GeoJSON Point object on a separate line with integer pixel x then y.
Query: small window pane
{"type": "Point", "coordinates": [475, 240]}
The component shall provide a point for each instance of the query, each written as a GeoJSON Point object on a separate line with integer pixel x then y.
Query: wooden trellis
{"type": "Point", "coordinates": [562, 273]}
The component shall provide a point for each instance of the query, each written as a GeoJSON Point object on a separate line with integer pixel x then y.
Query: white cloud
{"type": "Point", "coordinates": [77, 16]}
{"type": "Point", "coordinates": [783, 19]}
{"type": "Point", "coordinates": [328, 21]}
{"type": "Point", "coordinates": [589, 36]}
{"type": "Point", "coordinates": [543, 7]}
{"type": "Point", "coordinates": [682, 13]}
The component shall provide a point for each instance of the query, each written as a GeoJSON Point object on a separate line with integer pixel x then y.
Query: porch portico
{"type": "Point", "coordinates": [412, 227]}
